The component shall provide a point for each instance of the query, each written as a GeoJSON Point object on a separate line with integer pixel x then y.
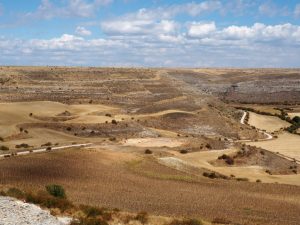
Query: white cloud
{"type": "Point", "coordinates": [297, 10]}
{"type": "Point", "coordinates": [82, 31]}
{"type": "Point", "coordinates": [191, 9]}
{"type": "Point", "coordinates": [261, 32]}
{"type": "Point", "coordinates": [71, 8]}
{"type": "Point", "coordinates": [259, 45]}
{"type": "Point", "coordinates": [138, 27]}
{"type": "Point", "coordinates": [269, 8]}
{"type": "Point", "coordinates": [198, 30]}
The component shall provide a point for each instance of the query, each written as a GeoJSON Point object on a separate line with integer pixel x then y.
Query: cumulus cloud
{"type": "Point", "coordinates": [191, 9]}
{"type": "Point", "coordinates": [72, 8]}
{"type": "Point", "coordinates": [198, 30]}
{"type": "Point", "coordinates": [138, 27]}
{"type": "Point", "coordinates": [197, 44]}
{"type": "Point", "coordinates": [82, 31]}
{"type": "Point", "coordinates": [262, 32]}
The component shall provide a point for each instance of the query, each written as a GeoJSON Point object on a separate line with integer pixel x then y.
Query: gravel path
{"type": "Point", "coordinates": [14, 212]}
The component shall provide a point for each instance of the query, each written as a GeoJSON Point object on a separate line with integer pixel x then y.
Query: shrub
{"type": "Point", "coordinates": [258, 181]}
{"type": "Point", "coordinates": [114, 122]}
{"type": "Point", "coordinates": [229, 161]}
{"type": "Point", "coordinates": [56, 190]}
{"type": "Point", "coordinates": [186, 222]}
{"type": "Point", "coordinates": [15, 193]}
{"type": "Point", "coordinates": [220, 221]}
{"type": "Point", "coordinates": [48, 148]}
{"type": "Point", "coordinates": [44, 199]}
{"type": "Point", "coordinates": [269, 172]}
{"type": "Point", "coordinates": [91, 211]}
{"type": "Point", "coordinates": [108, 114]}
{"type": "Point", "coordinates": [69, 128]}
{"type": "Point", "coordinates": [112, 139]}
{"type": "Point", "coordinates": [208, 146]}
{"type": "Point", "coordinates": [296, 119]}
{"type": "Point", "coordinates": [148, 151]}
{"type": "Point", "coordinates": [142, 217]}
{"type": "Point", "coordinates": [4, 148]}
{"type": "Point", "coordinates": [89, 221]}
{"type": "Point", "coordinates": [242, 179]}
{"type": "Point", "coordinates": [1, 139]}
{"type": "Point", "coordinates": [23, 145]}
{"type": "Point", "coordinates": [46, 144]}
{"type": "Point", "coordinates": [183, 151]}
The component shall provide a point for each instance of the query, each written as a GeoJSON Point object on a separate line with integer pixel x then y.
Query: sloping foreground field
{"type": "Point", "coordinates": [107, 178]}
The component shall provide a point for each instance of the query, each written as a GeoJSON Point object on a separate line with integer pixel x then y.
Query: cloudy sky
{"type": "Point", "coordinates": [152, 33]}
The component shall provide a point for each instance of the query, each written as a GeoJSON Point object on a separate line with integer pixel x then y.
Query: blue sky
{"type": "Point", "coordinates": [153, 33]}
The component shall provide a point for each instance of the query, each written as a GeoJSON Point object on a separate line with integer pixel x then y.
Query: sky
{"type": "Point", "coordinates": [150, 33]}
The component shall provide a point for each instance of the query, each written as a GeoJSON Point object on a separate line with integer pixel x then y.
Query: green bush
{"type": "Point", "coordinates": [296, 119]}
{"type": "Point", "coordinates": [56, 190]}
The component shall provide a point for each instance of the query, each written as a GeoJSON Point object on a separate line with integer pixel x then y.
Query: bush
{"type": "Point", "coordinates": [1, 139]}
{"type": "Point", "coordinates": [44, 199]}
{"type": "Point", "coordinates": [296, 119]}
{"type": "Point", "coordinates": [89, 221]}
{"type": "Point", "coordinates": [229, 161]}
{"type": "Point", "coordinates": [4, 148]}
{"type": "Point", "coordinates": [15, 193]}
{"type": "Point", "coordinates": [56, 190]}
{"type": "Point", "coordinates": [208, 146]}
{"type": "Point", "coordinates": [220, 221]}
{"type": "Point", "coordinates": [114, 122]}
{"type": "Point", "coordinates": [242, 179]}
{"type": "Point", "coordinates": [186, 222]}
{"type": "Point", "coordinates": [23, 145]}
{"type": "Point", "coordinates": [142, 217]}
{"type": "Point", "coordinates": [46, 144]}
{"type": "Point", "coordinates": [148, 151]}
{"type": "Point", "coordinates": [91, 211]}
{"type": "Point", "coordinates": [183, 151]}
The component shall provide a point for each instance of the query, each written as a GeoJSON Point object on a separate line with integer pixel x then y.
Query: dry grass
{"type": "Point", "coordinates": [268, 123]}
{"type": "Point", "coordinates": [100, 178]}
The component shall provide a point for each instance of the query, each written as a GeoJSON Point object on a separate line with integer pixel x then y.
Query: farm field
{"type": "Point", "coordinates": [268, 123]}
{"type": "Point", "coordinates": [136, 183]}
{"type": "Point", "coordinates": [286, 144]}
{"type": "Point", "coordinates": [170, 142]}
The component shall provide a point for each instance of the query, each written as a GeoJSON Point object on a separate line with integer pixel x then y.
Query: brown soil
{"type": "Point", "coordinates": [100, 178]}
